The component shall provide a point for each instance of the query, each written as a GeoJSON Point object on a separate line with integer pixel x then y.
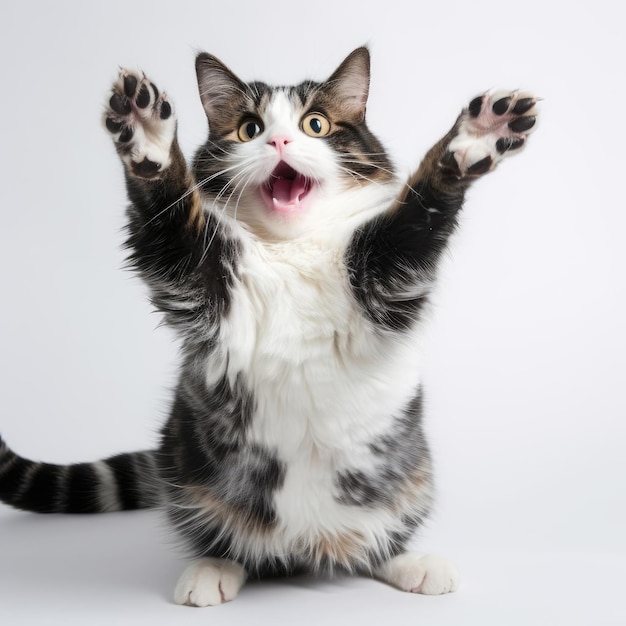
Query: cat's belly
{"type": "Point", "coordinates": [326, 387]}
{"type": "Point", "coordinates": [320, 437]}
{"type": "Point", "coordinates": [315, 526]}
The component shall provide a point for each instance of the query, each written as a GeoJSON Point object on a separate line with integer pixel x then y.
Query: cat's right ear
{"type": "Point", "coordinates": [219, 88]}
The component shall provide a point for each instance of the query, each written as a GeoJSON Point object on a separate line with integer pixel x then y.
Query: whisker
{"type": "Point", "coordinates": [237, 179]}
{"type": "Point", "coordinates": [192, 189]}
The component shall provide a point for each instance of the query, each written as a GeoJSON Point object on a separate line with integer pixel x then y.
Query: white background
{"type": "Point", "coordinates": [525, 383]}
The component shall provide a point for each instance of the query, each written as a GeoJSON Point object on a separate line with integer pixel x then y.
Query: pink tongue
{"type": "Point", "coordinates": [287, 191]}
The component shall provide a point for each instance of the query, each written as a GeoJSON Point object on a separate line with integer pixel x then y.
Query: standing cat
{"type": "Point", "coordinates": [296, 268]}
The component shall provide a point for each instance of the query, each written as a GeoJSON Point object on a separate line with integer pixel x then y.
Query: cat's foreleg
{"type": "Point", "coordinates": [165, 212]}
{"type": "Point", "coordinates": [494, 126]}
{"type": "Point", "coordinates": [419, 573]}
{"type": "Point", "coordinates": [393, 259]}
{"type": "Point", "coordinates": [169, 232]}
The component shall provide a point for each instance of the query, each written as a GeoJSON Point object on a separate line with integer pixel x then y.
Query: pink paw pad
{"type": "Point", "coordinates": [493, 126]}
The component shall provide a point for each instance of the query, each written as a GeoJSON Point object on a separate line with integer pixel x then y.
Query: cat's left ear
{"type": "Point", "coordinates": [350, 83]}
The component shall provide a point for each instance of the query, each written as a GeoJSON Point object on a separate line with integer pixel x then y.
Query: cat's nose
{"type": "Point", "coordinates": [279, 142]}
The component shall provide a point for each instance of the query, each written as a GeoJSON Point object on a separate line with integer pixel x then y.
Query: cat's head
{"type": "Point", "coordinates": [284, 160]}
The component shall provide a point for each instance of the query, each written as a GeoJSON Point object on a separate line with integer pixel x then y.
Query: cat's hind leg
{"type": "Point", "coordinates": [209, 582]}
{"type": "Point", "coordinates": [419, 573]}
{"type": "Point", "coordinates": [493, 126]}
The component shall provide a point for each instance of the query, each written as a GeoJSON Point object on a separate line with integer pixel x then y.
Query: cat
{"type": "Point", "coordinates": [297, 269]}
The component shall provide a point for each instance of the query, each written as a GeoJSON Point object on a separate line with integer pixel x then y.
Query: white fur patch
{"type": "Point", "coordinates": [420, 573]}
{"type": "Point", "coordinates": [209, 582]}
{"type": "Point", "coordinates": [108, 495]}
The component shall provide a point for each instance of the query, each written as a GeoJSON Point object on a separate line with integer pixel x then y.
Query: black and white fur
{"type": "Point", "coordinates": [295, 439]}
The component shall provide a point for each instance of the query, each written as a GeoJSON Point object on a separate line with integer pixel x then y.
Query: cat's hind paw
{"type": "Point", "coordinates": [209, 582]}
{"type": "Point", "coordinates": [141, 121]}
{"type": "Point", "coordinates": [427, 574]}
{"type": "Point", "coordinates": [493, 126]}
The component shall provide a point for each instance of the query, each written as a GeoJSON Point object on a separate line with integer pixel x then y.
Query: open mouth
{"type": "Point", "coordinates": [286, 190]}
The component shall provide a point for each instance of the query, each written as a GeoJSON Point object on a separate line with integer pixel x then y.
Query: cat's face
{"type": "Point", "coordinates": [279, 159]}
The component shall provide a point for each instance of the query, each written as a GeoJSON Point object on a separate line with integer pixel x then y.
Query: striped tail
{"type": "Point", "coordinates": [122, 482]}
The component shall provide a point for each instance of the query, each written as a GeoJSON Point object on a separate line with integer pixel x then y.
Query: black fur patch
{"type": "Point", "coordinates": [401, 454]}
{"type": "Point", "coordinates": [392, 255]}
{"type": "Point", "coordinates": [190, 279]}
{"type": "Point", "coordinates": [44, 491]}
{"type": "Point", "coordinates": [226, 409]}
{"type": "Point", "coordinates": [14, 472]}
{"type": "Point", "coordinates": [128, 482]}
{"type": "Point", "coordinates": [81, 493]}
{"type": "Point", "coordinates": [205, 449]}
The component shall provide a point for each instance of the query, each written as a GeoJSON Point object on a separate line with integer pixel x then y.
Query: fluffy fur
{"type": "Point", "coordinates": [296, 268]}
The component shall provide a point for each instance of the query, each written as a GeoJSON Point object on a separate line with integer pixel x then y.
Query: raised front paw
{"type": "Point", "coordinates": [142, 124]}
{"type": "Point", "coordinates": [493, 126]}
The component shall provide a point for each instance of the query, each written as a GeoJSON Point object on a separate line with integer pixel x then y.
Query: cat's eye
{"type": "Point", "coordinates": [249, 129]}
{"type": "Point", "coordinates": [315, 125]}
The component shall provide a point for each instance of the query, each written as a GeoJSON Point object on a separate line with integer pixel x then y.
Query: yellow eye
{"type": "Point", "coordinates": [315, 125]}
{"type": "Point", "coordinates": [249, 129]}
